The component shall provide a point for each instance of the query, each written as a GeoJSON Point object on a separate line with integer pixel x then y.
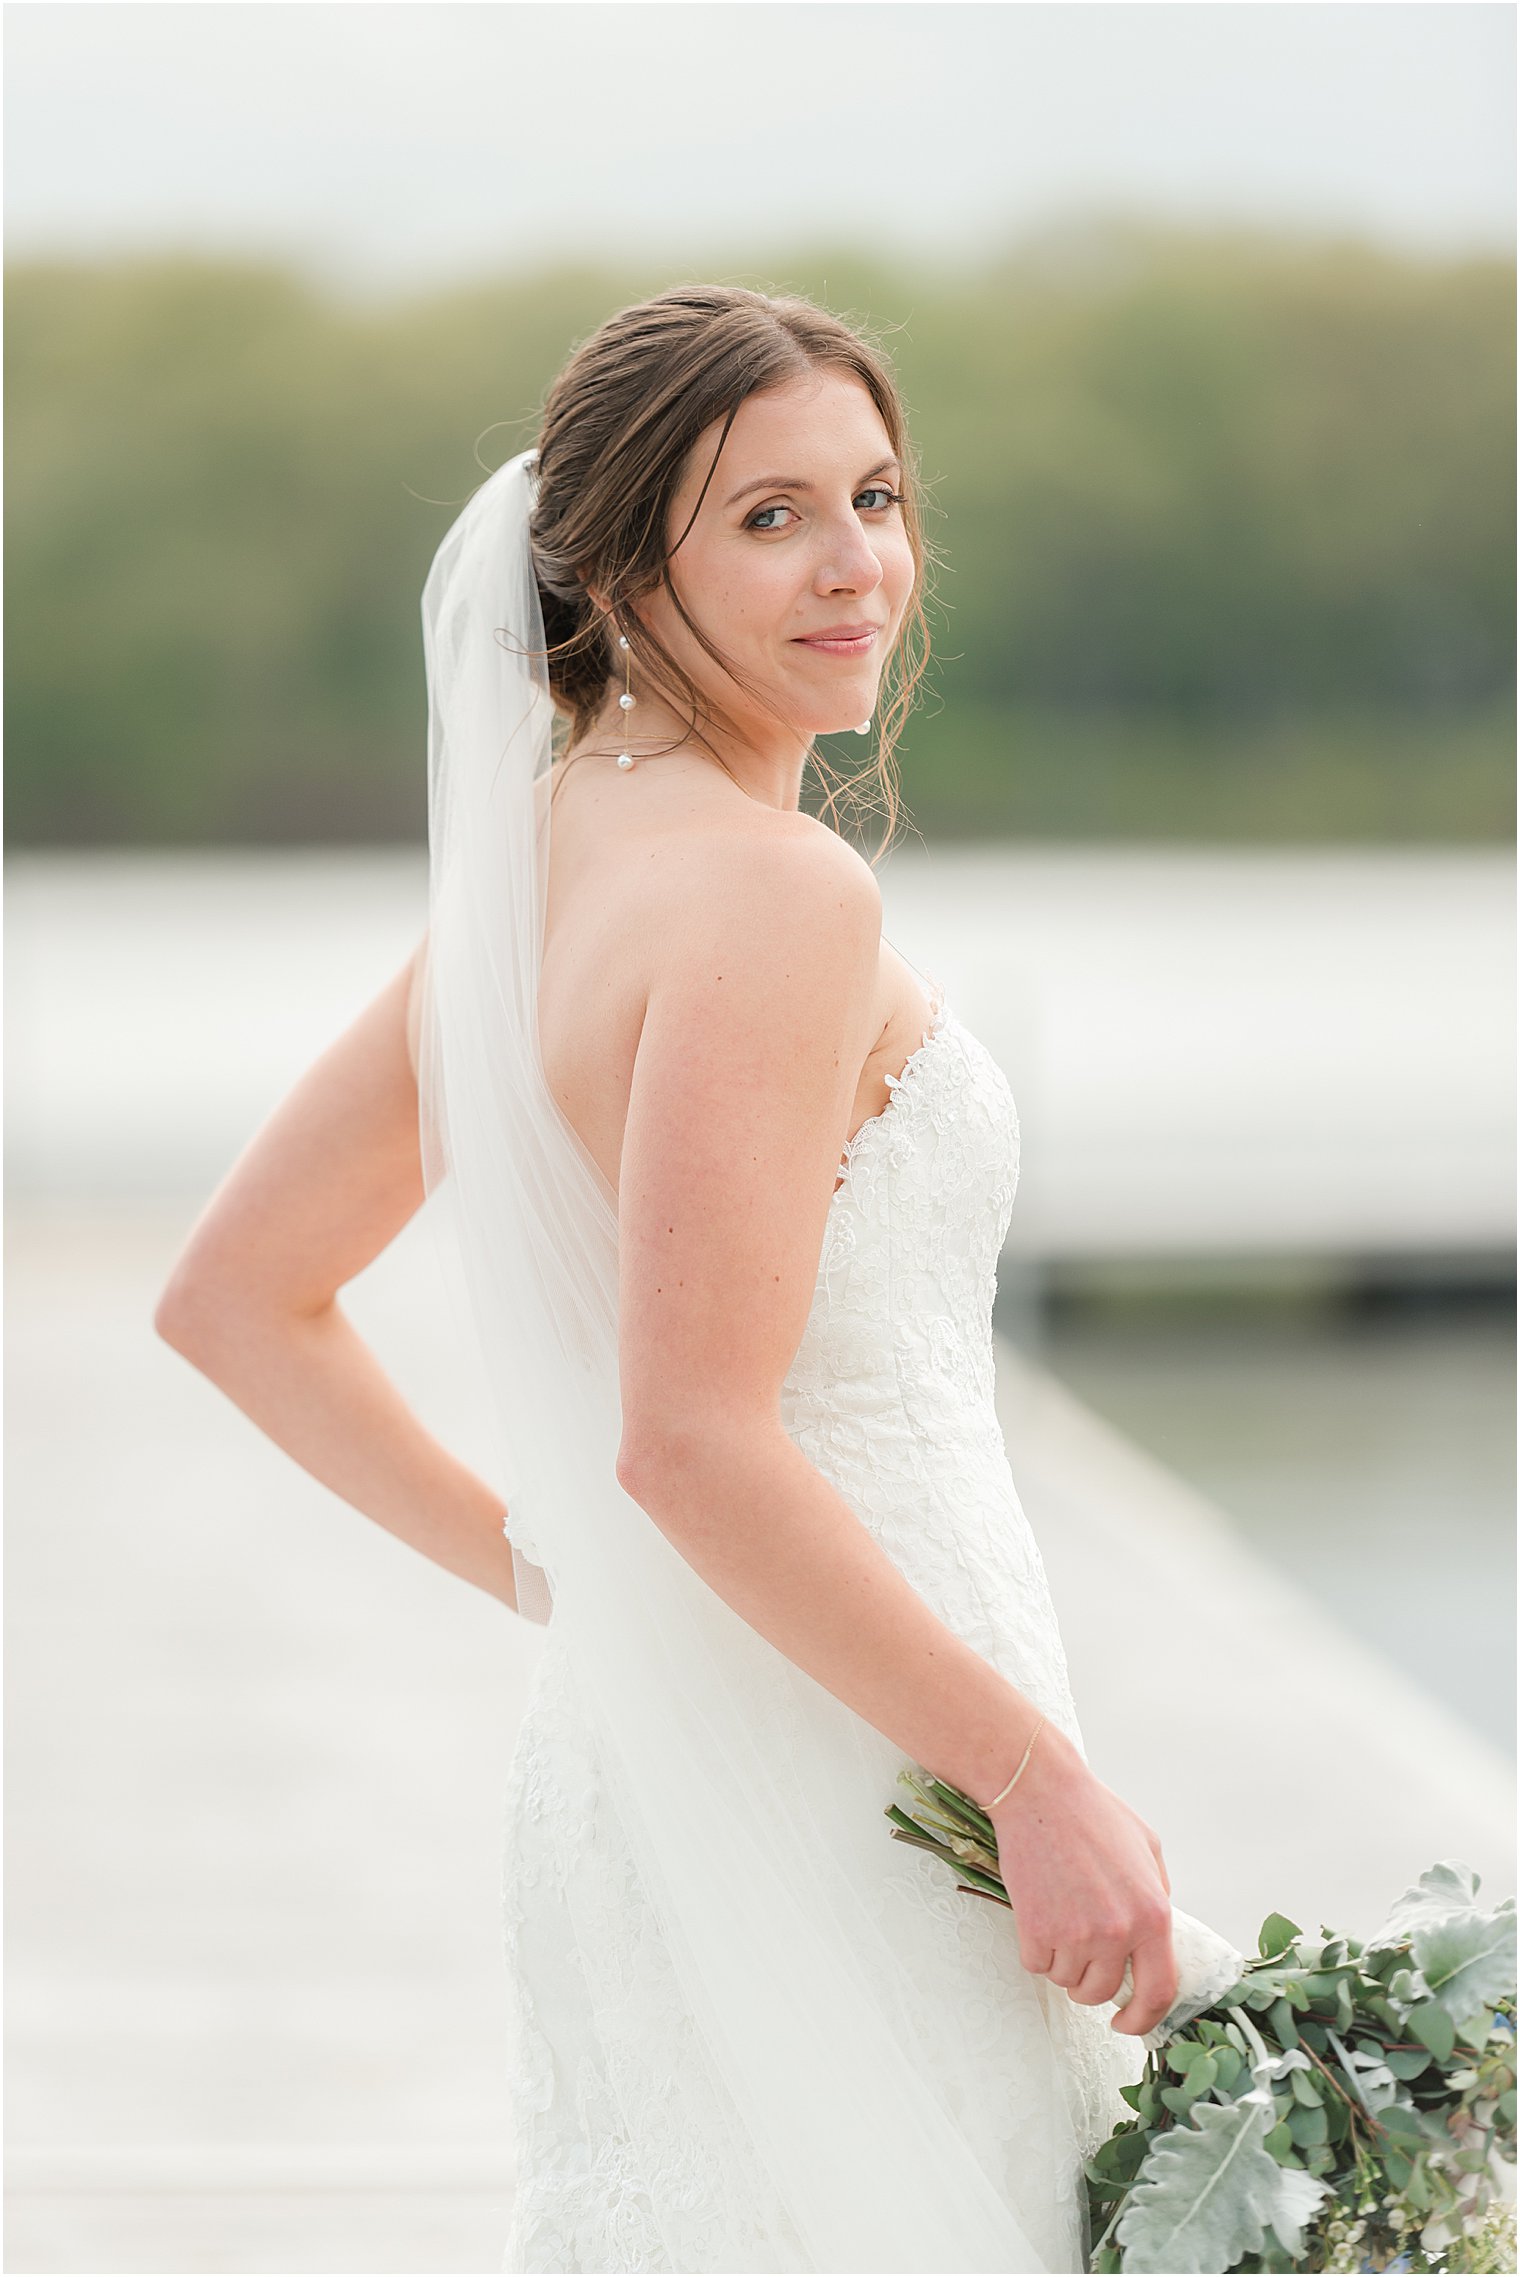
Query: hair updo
{"type": "Point", "coordinates": [616, 434]}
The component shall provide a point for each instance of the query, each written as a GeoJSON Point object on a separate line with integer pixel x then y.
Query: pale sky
{"type": "Point", "coordinates": [420, 142]}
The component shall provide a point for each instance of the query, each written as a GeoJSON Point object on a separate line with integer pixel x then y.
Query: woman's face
{"type": "Point", "coordinates": [800, 534]}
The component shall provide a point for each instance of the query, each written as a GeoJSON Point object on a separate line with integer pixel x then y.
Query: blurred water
{"type": "Point", "coordinates": [1211, 1050]}
{"type": "Point", "coordinates": [1370, 1457]}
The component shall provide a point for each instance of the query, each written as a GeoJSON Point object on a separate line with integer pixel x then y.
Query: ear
{"type": "Point", "coordinates": [599, 601]}
{"type": "Point", "coordinates": [594, 593]}
{"type": "Point", "coordinates": [609, 622]}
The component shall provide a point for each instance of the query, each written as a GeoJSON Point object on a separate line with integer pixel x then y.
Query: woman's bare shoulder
{"type": "Point", "coordinates": [762, 925]}
{"type": "Point", "coordinates": [770, 868]}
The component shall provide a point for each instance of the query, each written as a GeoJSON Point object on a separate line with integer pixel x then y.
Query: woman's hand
{"type": "Point", "coordinates": [1088, 1885]}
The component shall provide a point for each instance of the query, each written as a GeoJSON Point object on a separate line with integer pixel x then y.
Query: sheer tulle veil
{"type": "Point", "coordinates": [751, 1800]}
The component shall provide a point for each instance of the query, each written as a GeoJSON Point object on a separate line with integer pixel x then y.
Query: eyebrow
{"type": "Point", "coordinates": [795, 481]}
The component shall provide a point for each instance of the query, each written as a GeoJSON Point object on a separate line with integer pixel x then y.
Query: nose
{"type": "Point", "coordinates": [850, 562]}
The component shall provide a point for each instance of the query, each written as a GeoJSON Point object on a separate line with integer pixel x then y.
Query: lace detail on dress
{"type": "Point", "coordinates": [628, 2155]}
{"type": "Point", "coordinates": [894, 1083]}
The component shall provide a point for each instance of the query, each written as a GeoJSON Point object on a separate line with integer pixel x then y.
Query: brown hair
{"type": "Point", "coordinates": [616, 434]}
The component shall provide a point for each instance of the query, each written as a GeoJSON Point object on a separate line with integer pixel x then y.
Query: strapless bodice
{"type": "Point", "coordinates": [907, 1273]}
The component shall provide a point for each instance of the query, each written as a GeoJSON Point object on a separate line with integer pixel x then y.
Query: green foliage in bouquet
{"type": "Point", "coordinates": [1343, 2106]}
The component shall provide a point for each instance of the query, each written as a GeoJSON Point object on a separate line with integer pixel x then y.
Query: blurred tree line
{"type": "Point", "coordinates": [1228, 524]}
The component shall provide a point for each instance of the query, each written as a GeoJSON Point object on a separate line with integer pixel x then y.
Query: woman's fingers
{"type": "Point", "coordinates": [1155, 1842]}
{"type": "Point", "coordinates": [1155, 1977]}
{"type": "Point", "coordinates": [1101, 1978]}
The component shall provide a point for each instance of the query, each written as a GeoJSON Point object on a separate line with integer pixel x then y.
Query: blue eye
{"type": "Point", "coordinates": [876, 489]}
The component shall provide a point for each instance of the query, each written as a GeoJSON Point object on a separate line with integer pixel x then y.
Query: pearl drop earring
{"type": "Point", "coordinates": [627, 699]}
{"type": "Point", "coordinates": [864, 727]}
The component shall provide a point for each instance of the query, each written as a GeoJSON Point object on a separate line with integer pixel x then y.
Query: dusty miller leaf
{"type": "Point", "coordinates": [1206, 2194]}
{"type": "Point", "coordinates": [1447, 1887]}
{"type": "Point", "coordinates": [1468, 1959]}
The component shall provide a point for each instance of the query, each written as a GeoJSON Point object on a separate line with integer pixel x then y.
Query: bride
{"type": "Point", "coordinates": [723, 1182]}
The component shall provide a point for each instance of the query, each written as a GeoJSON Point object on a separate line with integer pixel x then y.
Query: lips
{"type": "Point", "coordinates": [844, 640]}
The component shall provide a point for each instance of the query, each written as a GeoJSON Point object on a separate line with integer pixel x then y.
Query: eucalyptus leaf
{"type": "Point", "coordinates": [1431, 2024]}
{"type": "Point", "coordinates": [1417, 2189]}
{"type": "Point", "coordinates": [1283, 2023]}
{"type": "Point", "coordinates": [1399, 2119]}
{"type": "Point", "coordinates": [1277, 1931]}
{"type": "Point", "coordinates": [1119, 2159]}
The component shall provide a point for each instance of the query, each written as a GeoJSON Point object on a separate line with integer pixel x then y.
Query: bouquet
{"type": "Point", "coordinates": [1324, 2105]}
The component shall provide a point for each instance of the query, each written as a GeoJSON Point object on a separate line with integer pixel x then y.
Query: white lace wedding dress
{"type": "Point", "coordinates": [629, 2157]}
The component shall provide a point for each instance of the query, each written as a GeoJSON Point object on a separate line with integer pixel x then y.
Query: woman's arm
{"type": "Point", "coordinates": [252, 1301]}
{"type": "Point", "coordinates": [759, 1019]}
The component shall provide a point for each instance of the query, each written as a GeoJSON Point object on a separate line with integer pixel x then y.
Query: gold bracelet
{"type": "Point", "coordinates": [1034, 1735]}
